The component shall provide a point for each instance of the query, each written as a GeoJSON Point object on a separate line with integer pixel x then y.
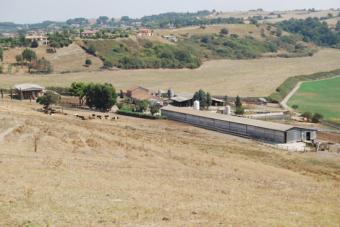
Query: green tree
{"type": "Point", "coordinates": [91, 50]}
{"type": "Point", "coordinates": [29, 55]}
{"type": "Point", "coordinates": [155, 108]}
{"type": "Point", "coordinates": [239, 110]}
{"type": "Point", "coordinates": [224, 31]}
{"type": "Point", "coordinates": [209, 100]}
{"type": "Point", "coordinates": [201, 96]}
{"type": "Point", "coordinates": [316, 118]}
{"type": "Point", "coordinates": [78, 89]}
{"type": "Point", "coordinates": [307, 115]}
{"type": "Point", "coordinates": [100, 96]}
{"type": "Point", "coordinates": [1, 54]}
{"type": "Point", "coordinates": [19, 59]}
{"type": "Point", "coordinates": [43, 66]}
{"type": "Point", "coordinates": [49, 98]}
{"type": "Point", "coordinates": [238, 102]}
{"type": "Point", "coordinates": [142, 106]}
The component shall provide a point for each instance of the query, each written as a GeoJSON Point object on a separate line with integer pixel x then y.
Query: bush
{"type": "Point", "coordinates": [224, 31]}
{"type": "Point", "coordinates": [42, 66]}
{"type": "Point", "coordinates": [316, 118]}
{"type": "Point", "coordinates": [34, 44]}
{"type": "Point", "coordinates": [107, 64]}
{"type": "Point", "coordinates": [100, 96]}
{"type": "Point", "coordinates": [239, 111]}
{"type": "Point", "coordinates": [48, 99]}
{"type": "Point", "coordinates": [307, 115]}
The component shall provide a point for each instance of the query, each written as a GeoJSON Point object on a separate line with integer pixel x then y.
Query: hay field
{"type": "Point", "coordinates": [321, 96]}
{"type": "Point", "coordinates": [67, 59]}
{"type": "Point", "coordinates": [259, 77]}
{"type": "Point", "coordinates": [153, 173]}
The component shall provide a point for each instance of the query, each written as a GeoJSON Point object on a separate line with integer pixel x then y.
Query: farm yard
{"type": "Point", "coordinates": [321, 96]}
{"type": "Point", "coordinates": [154, 173]}
{"type": "Point", "coordinates": [259, 77]}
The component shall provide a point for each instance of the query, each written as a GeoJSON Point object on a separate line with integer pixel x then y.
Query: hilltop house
{"type": "Point", "coordinates": [41, 38]}
{"type": "Point", "coordinates": [89, 33]}
{"type": "Point", "coordinates": [144, 33]}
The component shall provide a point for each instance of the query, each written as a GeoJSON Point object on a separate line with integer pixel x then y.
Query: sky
{"type": "Point", "coordinates": [31, 11]}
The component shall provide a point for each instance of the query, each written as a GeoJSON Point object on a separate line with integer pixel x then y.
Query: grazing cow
{"type": "Point", "coordinates": [99, 117]}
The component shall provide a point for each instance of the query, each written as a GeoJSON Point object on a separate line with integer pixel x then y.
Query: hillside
{"type": "Point", "coordinates": [259, 77]}
{"type": "Point", "coordinates": [198, 44]}
{"type": "Point", "coordinates": [67, 59]}
{"type": "Point", "coordinates": [154, 173]}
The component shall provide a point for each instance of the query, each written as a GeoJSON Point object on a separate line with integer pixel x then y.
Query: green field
{"type": "Point", "coordinates": [321, 96]}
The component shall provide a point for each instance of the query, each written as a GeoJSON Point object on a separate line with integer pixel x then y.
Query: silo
{"type": "Point", "coordinates": [227, 110]}
{"type": "Point", "coordinates": [197, 105]}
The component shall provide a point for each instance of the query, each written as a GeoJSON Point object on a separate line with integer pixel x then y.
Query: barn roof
{"type": "Point", "coordinates": [28, 87]}
{"type": "Point", "coordinates": [182, 97]}
{"type": "Point", "coordinates": [235, 119]}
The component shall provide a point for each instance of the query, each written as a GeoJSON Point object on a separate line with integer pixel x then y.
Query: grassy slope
{"type": "Point", "coordinates": [319, 97]}
{"type": "Point", "coordinates": [134, 172]}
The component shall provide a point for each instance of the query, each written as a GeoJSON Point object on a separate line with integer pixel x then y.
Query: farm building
{"type": "Point", "coordinates": [245, 127]}
{"type": "Point", "coordinates": [28, 91]}
{"type": "Point", "coordinates": [140, 93]}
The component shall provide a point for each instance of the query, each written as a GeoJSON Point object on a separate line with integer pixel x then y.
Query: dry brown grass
{"type": "Point", "coordinates": [153, 173]}
{"type": "Point", "coordinates": [258, 77]}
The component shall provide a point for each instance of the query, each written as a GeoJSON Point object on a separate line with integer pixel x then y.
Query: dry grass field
{"type": "Point", "coordinates": [259, 77]}
{"type": "Point", "coordinates": [67, 59]}
{"type": "Point", "coordinates": [60, 171]}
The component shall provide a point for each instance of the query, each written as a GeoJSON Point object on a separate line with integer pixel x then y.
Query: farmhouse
{"type": "Point", "coordinates": [28, 91]}
{"type": "Point", "coordinates": [144, 33]}
{"type": "Point", "coordinates": [182, 100]}
{"type": "Point", "coordinates": [245, 127]}
{"type": "Point", "coordinates": [38, 37]}
{"type": "Point", "coordinates": [89, 33]}
{"type": "Point", "coordinates": [140, 93]}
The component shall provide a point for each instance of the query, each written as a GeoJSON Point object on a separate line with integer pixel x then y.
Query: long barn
{"type": "Point", "coordinates": [256, 129]}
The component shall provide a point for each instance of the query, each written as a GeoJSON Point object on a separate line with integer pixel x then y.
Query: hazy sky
{"type": "Point", "coordinates": [28, 11]}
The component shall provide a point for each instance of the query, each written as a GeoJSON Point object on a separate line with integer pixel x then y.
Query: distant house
{"type": "Point", "coordinates": [28, 91]}
{"type": "Point", "coordinates": [145, 33]}
{"type": "Point", "coordinates": [41, 38]}
{"type": "Point", "coordinates": [171, 38]}
{"type": "Point", "coordinates": [217, 102]}
{"type": "Point", "coordinates": [89, 33]}
{"type": "Point", "coordinates": [140, 93]}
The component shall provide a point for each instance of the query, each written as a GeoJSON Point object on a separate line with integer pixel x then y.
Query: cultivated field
{"type": "Point", "coordinates": [60, 171]}
{"type": "Point", "coordinates": [319, 97]}
{"type": "Point", "coordinates": [259, 77]}
{"type": "Point", "coordinates": [67, 59]}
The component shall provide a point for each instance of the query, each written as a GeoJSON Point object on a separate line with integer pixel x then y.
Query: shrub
{"type": "Point", "coordinates": [100, 96]}
{"type": "Point", "coordinates": [316, 118]}
{"type": "Point", "coordinates": [307, 115]}
{"type": "Point", "coordinates": [138, 114]}
{"type": "Point", "coordinates": [107, 64]}
{"type": "Point", "coordinates": [224, 31]}
{"type": "Point", "coordinates": [239, 110]}
{"type": "Point", "coordinates": [48, 99]}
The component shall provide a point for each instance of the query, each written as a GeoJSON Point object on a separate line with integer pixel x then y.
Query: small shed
{"type": "Point", "coordinates": [182, 100]}
{"type": "Point", "coordinates": [28, 91]}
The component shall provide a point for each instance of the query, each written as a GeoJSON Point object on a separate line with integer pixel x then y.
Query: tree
{"type": "Point", "coordinates": [29, 55]}
{"type": "Point", "coordinates": [209, 100]}
{"type": "Point", "coordinates": [88, 62]}
{"type": "Point", "coordinates": [78, 89]}
{"type": "Point", "coordinates": [142, 106]}
{"type": "Point", "coordinates": [224, 31]}
{"type": "Point", "coordinates": [337, 28]}
{"type": "Point", "coordinates": [42, 66]}
{"type": "Point", "coordinates": [239, 110]}
{"type": "Point", "coordinates": [238, 102]}
{"type": "Point", "coordinates": [201, 96]}
{"type": "Point", "coordinates": [100, 96]}
{"type": "Point", "coordinates": [1, 54]}
{"type": "Point", "coordinates": [316, 118]}
{"type": "Point", "coordinates": [49, 98]}
{"type": "Point", "coordinates": [107, 64]}
{"type": "Point", "coordinates": [19, 59]}
{"type": "Point", "coordinates": [155, 108]}
{"type": "Point", "coordinates": [307, 115]}
{"type": "Point", "coordinates": [225, 99]}
{"type": "Point", "coordinates": [34, 44]}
